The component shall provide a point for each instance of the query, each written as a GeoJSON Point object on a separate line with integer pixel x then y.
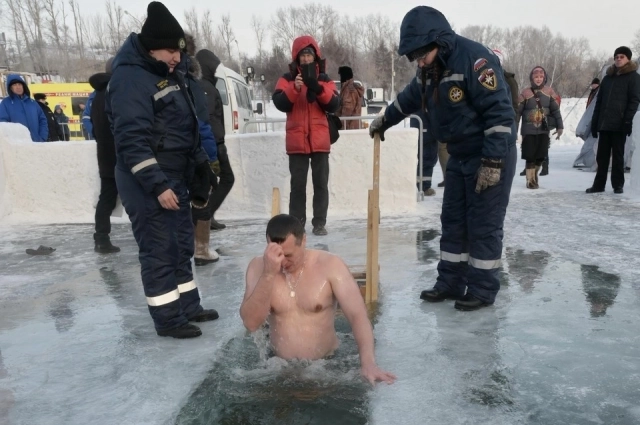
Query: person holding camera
{"type": "Point", "coordinates": [535, 105]}
{"type": "Point", "coordinates": [307, 94]}
{"type": "Point", "coordinates": [161, 167]}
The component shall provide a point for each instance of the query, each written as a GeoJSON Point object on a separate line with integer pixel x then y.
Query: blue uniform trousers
{"type": "Point", "coordinates": [471, 243]}
{"type": "Point", "coordinates": [165, 241]}
{"type": "Point", "coordinates": [429, 160]}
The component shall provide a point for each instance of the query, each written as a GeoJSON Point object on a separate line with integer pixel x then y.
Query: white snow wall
{"type": "Point", "coordinates": [58, 182]}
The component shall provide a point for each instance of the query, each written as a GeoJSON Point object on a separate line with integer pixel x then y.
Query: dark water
{"type": "Point", "coordinates": [245, 388]}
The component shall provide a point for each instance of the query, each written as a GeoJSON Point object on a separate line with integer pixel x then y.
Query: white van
{"type": "Point", "coordinates": [236, 98]}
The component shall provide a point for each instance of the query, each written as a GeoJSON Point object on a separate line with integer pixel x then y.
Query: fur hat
{"type": "Point", "coordinates": [40, 96]}
{"type": "Point", "coordinates": [623, 50]}
{"type": "Point", "coordinates": [420, 52]}
{"type": "Point", "coordinates": [309, 50]}
{"type": "Point", "coordinates": [345, 73]}
{"type": "Point", "coordinates": [595, 81]}
{"type": "Point", "coordinates": [161, 30]}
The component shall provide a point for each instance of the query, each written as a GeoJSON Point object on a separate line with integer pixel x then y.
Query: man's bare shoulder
{"type": "Point", "coordinates": [327, 259]}
{"type": "Point", "coordinates": [256, 265]}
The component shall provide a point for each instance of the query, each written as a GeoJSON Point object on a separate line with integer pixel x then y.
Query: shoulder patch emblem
{"type": "Point", "coordinates": [162, 84]}
{"type": "Point", "coordinates": [479, 64]}
{"type": "Point", "coordinates": [488, 79]}
{"type": "Point", "coordinates": [455, 94]}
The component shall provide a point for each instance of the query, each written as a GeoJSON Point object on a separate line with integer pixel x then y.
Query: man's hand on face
{"type": "Point", "coordinates": [298, 83]}
{"type": "Point", "coordinates": [373, 374]}
{"type": "Point", "coordinates": [273, 258]}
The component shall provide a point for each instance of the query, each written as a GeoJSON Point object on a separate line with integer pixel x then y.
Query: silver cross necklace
{"type": "Point", "coordinates": [292, 294]}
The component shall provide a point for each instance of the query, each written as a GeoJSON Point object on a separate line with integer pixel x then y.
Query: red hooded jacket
{"type": "Point", "coordinates": [307, 125]}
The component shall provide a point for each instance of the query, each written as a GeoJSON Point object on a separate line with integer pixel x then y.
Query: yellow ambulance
{"type": "Point", "coordinates": [72, 97]}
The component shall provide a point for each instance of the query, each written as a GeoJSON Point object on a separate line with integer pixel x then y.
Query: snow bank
{"type": "Point", "coordinates": [59, 183]}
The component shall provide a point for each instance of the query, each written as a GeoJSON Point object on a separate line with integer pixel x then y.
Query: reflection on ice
{"type": "Point", "coordinates": [600, 288]}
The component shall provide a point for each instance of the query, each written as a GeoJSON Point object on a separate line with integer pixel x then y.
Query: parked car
{"type": "Point", "coordinates": [236, 97]}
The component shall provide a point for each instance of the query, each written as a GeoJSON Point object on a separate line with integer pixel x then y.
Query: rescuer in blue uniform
{"type": "Point", "coordinates": [467, 102]}
{"type": "Point", "coordinates": [161, 167]}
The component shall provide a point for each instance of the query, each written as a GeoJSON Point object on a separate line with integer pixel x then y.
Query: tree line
{"type": "Point", "coordinates": [54, 37]}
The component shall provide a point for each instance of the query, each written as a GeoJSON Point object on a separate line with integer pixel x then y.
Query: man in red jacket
{"type": "Point", "coordinates": [306, 94]}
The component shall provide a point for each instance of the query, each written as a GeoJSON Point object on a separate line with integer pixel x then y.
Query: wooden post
{"type": "Point", "coordinates": [275, 202]}
{"type": "Point", "coordinates": [373, 226]}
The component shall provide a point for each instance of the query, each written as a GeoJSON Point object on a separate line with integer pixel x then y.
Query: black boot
{"type": "Point", "coordinates": [470, 303]}
{"type": "Point", "coordinates": [205, 316]}
{"type": "Point", "coordinates": [545, 169]}
{"type": "Point", "coordinates": [215, 225]}
{"type": "Point", "coordinates": [103, 244]}
{"type": "Point", "coordinates": [435, 295]}
{"type": "Point", "coordinates": [183, 332]}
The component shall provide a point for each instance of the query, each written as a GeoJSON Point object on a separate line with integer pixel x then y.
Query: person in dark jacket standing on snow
{"type": "Point", "coordinates": [55, 132]}
{"type": "Point", "coordinates": [306, 98]}
{"type": "Point", "coordinates": [616, 105]}
{"type": "Point", "coordinates": [106, 149]}
{"type": "Point", "coordinates": [465, 98]}
{"type": "Point", "coordinates": [63, 122]}
{"type": "Point", "coordinates": [159, 156]}
{"type": "Point", "coordinates": [209, 63]}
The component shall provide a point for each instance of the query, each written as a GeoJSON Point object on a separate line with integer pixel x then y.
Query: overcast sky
{"type": "Point", "coordinates": [606, 24]}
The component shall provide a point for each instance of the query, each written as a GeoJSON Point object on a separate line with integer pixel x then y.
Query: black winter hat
{"type": "Point", "coordinates": [345, 73]}
{"type": "Point", "coordinates": [623, 50]}
{"type": "Point", "coordinates": [40, 96]}
{"type": "Point", "coordinates": [161, 30]}
{"type": "Point", "coordinates": [309, 50]}
{"type": "Point", "coordinates": [595, 81]}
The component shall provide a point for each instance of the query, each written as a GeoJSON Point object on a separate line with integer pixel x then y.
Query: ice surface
{"type": "Point", "coordinates": [560, 346]}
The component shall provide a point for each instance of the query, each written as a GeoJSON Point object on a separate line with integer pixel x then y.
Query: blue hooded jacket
{"type": "Point", "coordinates": [468, 103]}
{"type": "Point", "coordinates": [86, 116]}
{"type": "Point", "coordinates": [24, 110]}
{"type": "Point", "coordinates": [153, 118]}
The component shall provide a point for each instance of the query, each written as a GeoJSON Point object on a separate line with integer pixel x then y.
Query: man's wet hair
{"type": "Point", "coordinates": [283, 225]}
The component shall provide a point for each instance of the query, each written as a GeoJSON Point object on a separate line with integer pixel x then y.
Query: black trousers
{"type": "Point", "coordinates": [225, 183]}
{"type": "Point", "coordinates": [610, 143]}
{"type": "Point", "coordinates": [106, 205]}
{"type": "Point", "coordinates": [299, 169]}
{"type": "Point", "coordinates": [535, 148]}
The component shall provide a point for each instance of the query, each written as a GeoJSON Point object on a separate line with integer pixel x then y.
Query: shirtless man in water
{"type": "Point", "coordinates": [297, 290]}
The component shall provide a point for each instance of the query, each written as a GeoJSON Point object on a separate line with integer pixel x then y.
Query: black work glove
{"type": "Point", "coordinates": [594, 133]}
{"type": "Point", "coordinates": [313, 85]}
{"type": "Point", "coordinates": [379, 125]}
{"type": "Point", "coordinates": [213, 176]}
{"type": "Point", "coordinates": [627, 127]}
{"type": "Point", "coordinates": [200, 185]}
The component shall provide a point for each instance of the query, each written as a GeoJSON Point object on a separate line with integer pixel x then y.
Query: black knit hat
{"type": "Point", "coordinates": [345, 73]}
{"type": "Point", "coordinates": [595, 81]}
{"type": "Point", "coordinates": [623, 50]}
{"type": "Point", "coordinates": [161, 30]}
{"type": "Point", "coordinates": [40, 96]}
{"type": "Point", "coordinates": [309, 50]}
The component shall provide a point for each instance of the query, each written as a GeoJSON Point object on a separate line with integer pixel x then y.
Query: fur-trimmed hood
{"type": "Point", "coordinates": [194, 66]}
{"type": "Point", "coordinates": [631, 66]}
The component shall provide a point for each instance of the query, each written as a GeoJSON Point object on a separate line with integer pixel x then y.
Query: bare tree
{"type": "Point", "coordinates": [227, 35]}
{"type": "Point", "coordinates": [77, 23]}
{"type": "Point", "coordinates": [635, 44]}
{"type": "Point", "coordinates": [260, 31]}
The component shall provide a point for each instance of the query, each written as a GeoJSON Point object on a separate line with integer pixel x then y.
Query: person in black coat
{"type": "Point", "coordinates": [55, 132]}
{"type": "Point", "coordinates": [209, 63]}
{"type": "Point", "coordinates": [616, 105]}
{"type": "Point", "coordinates": [106, 149]}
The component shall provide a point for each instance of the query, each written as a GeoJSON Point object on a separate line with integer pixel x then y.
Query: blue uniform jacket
{"type": "Point", "coordinates": [24, 110]}
{"type": "Point", "coordinates": [86, 116]}
{"type": "Point", "coordinates": [470, 106]}
{"type": "Point", "coordinates": [208, 140]}
{"type": "Point", "coordinates": [153, 118]}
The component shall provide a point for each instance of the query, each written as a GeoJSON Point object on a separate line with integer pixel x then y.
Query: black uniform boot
{"type": "Point", "coordinates": [435, 295]}
{"type": "Point", "coordinates": [545, 169]}
{"type": "Point", "coordinates": [205, 316]}
{"type": "Point", "coordinates": [103, 244]}
{"type": "Point", "coordinates": [216, 225]}
{"type": "Point", "coordinates": [524, 172]}
{"type": "Point", "coordinates": [470, 303]}
{"type": "Point", "coordinates": [183, 332]}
